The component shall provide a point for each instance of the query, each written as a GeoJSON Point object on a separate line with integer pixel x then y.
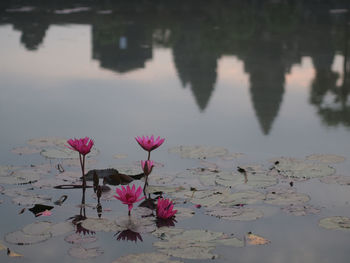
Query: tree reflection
{"type": "Point", "coordinates": [268, 36]}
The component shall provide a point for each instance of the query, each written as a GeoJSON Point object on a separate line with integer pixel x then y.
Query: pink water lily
{"type": "Point", "coordinates": [82, 145]}
{"type": "Point", "coordinates": [44, 213]}
{"type": "Point", "coordinates": [165, 209]}
{"type": "Point", "coordinates": [147, 166]}
{"type": "Point", "coordinates": [129, 196]}
{"type": "Point", "coordinates": [149, 143]}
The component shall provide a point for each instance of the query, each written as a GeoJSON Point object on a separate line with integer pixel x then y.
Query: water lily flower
{"type": "Point", "coordinates": [147, 166]}
{"type": "Point", "coordinates": [148, 143]}
{"type": "Point", "coordinates": [129, 196]}
{"type": "Point", "coordinates": [82, 145]}
{"type": "Point", "coordinates": [165, 208]}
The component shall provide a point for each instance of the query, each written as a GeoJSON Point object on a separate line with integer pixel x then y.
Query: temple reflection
{"type": "Point", "coordinates": [269, 37]}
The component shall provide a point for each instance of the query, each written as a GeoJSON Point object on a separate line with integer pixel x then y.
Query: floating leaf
{"type": "Point", "coordinates": [49, 183]}
{"type": "Point", "coordinates": [31, 199]}
{"type": "Point", "coordinates": [101, 224]}
{"type": "Point", "coordinates": [145, 257]}
{"type": "Point", "coordinates": [61, 228]}
{"type": "Point", "coordinates": [256, 240]}
{"type": "Point", "coordinates": [164, 189]}
{"type": "Point", "coordinates": [244, 197]}
{"type": "Point", "coordinates": [184, 213]}
{"type": "Point", "coordinates": [166, 233]}
{"type": "Point", "coordinates": [235, 213]}
{"type": "Point", "coordinates": [47, 141]}
{"type": "Point", "coordinates": [85, 253]}
{"type": "Point", "coordinates": [137, 224]}
{"type": "Point", "coordinates": [194, 252]}
{"type": "Point", "coordinates": [335, 223]}
{"type": "Point", "coordinates": [21, 238]}
{"type": "Point", "coordinates": [37, 228]}
{"type": "Point", "coordinates": [326, 158]}
{"type": "Point", "coordinates": [230, 241]}
{"type": "Point", "coordinates": [300, 209]}
{"type": "Point", "coordinates": [25, 150]}
{"type": "Point", "coordinates": [336, 179]}
{"type": "Point", "coordinates": [74, 162]}
{"type": "Point", "coordinates": [117, 179]}
{"type": "Point", "coordinates": [285, 196]}
{"type": "Point", "coordinates": [231, 156]}
{"type": "Point", "coordinates": [301, 169]}
{"type": "Point", "coordinates": [6, 170]}
{"type": "Point", "coordinates": [69, 176]}
{"type": "Point", "coordinates": [252, 180]}
{"type": "Point", "coordinates": [120, 156]}
{"type": "Point", "coordinates": [198, 152]}
{"type": "Point", "coordinates": [64, 153]}
{"type": "Point", "coordinates": [20, 177]}
{"type": "Point", "coordinates": [78, 239]}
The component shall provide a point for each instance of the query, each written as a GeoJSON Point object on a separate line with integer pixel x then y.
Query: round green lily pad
{"type": "Point", "coordinates": [85, 253]}
{"type": "Point", "coordinates": [235, 213]}
{"type": "Point", "coordinates": [198, 152]}
{"type": "Point", "coordinates": [301, 169]}
{"type": "Point", "coordinates": [326, 158]}
{"type": "Point", "coordinates": [145, 257]}
{"type": "Point", "coordinates": [335, 223]}
{"type": "Point", "coordinates": [285, 196]}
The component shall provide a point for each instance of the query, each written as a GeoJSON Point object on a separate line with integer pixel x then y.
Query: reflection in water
{"type": "Point", "coordinates": [268, 36]}
{"type": "Point", "coordinates": [128, 235]}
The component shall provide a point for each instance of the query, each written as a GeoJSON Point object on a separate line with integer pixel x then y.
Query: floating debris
{"type": "Point", "coordinates": [335, 223]}
{"type": "Point", "coordinates": [256, 240]}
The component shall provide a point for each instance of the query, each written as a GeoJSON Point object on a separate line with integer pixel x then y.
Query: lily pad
{"type": "Point", "coordinates": [326, 158]}
{"type": "Point", "coordinates": [336, 179]}
{"type": "Point", "coordinates": [235, 213]}
{"type": "Point", "coordinates": [25, 150]}
{"type": "Point", "coordinates": [2, 247]}
{"type": "Point", "coordinates": [47, 141]}
{"type": "Point", "coordinates": [295, 168]}
{"type": "Point", "coordinates": [70, 176]}
{"type": "Point", "coordinates": [300, 209]}
{"type": "Point", "coordinates": [120, 156]}
{"type": "Point", "coordinates": [244, 197]}
{"type": "Point", "coordinates": [164, 189]}
{"type": "Point", "coordinates": [21, 238]}
{"type": "Point", "coordinates": [252, 180]}
{"type": "Point", "coordinates": [335, 223]}
{"type": "Point", "coordinates": [20, 177]}
{"type": "Point", "coordinates": [136, 224]}
{"type": "Point", "coordinates": [74, 162]}
{"type": "Point", "coordinates": [5, 170]}
{"type": "Point", "coordinates": [231, 156]}
{"type": "Point", "coordinates": [64, 153]}
{"type": "Point", "coordinates": [101, 224]}
{"type": "Point", "coordinates": [29, 199]}
{"type": "Point", "coordinates": [85, 253]}
{"type": "Point", "coordinates": [49, 183]}
{"type": "Point", "coordinates": [145, 257]}
{"type": "Point", "coordinates": [193, 252]}
{"type": "Point", "coordinates": [78, 239]}
{"type": "Point", "coordinates": [37, 228]}
{"type": "Point", "coordinates": [285, 196]}
{"type": "Point", "coordinates": [199, 152]}
{"type": "Point", "coordinates": [184, 213]}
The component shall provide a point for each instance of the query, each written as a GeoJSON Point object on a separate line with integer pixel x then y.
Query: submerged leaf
{"type": "Point", "coordinates": [145, 257]}
{"type": "Point", "coordinates": [85, 253]}
{"type": "Point", "coordinates": [335, 223]}
{"type": "Point", "coordinates": [199, 152]}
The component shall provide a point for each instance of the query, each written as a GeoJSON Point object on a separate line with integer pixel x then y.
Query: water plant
{"type": "Point", "coordinates": [129, 196]}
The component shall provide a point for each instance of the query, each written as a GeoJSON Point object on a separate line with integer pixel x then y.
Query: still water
{"type": "Point", "coordinates": [262, 78]}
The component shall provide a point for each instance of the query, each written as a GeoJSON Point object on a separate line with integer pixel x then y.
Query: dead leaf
{"type": "Point", "coordinates": [256, 240]}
